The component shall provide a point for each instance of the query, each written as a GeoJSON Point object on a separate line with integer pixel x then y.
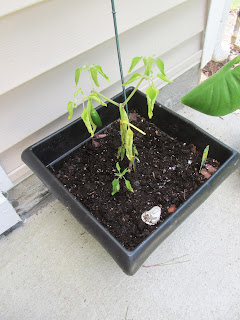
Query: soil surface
{"type": "Point", "coordinates": [166, 176]}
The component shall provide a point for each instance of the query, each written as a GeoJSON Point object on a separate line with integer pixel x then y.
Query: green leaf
{"type": "Point", "coordinates": [125, 171]}
{"type": "Point", "coordinates": [123, 126]}
{"type": "Point", "coordinates": [77, 92]}
{"type": "Point", "coordinates": [204, 157]}
{"type": "Point", "coordinates": [87, 118]}
{"type": "Point", "coordinates": [149, 63]}
{"type": "Point", "coordinates": [93, 73]}
{"type": "Point", "coordinates": [151, 93]}
{"type": "Point", "coordinates": [116, 186]}
{"type": "Point", "coordinates": [96, 97]}
{"type": "Point", "coordinates": [133, 78]}
{"type": "Point", "coordinates": [218, 95]}
{"type": "Point", "coordinates": [75, 106]}
{"type": "Point", "coordinates": [77, 74]}
{"type": "Point", "coordinates": [99, 70]}
{"type": "Point", "coordinates": [128, 185]}
{"type": "Point", "coordinates": [129, 144]}
{"type": "Point", "coordinates": [118, 167]}
{"type": "Point", "coordinates": [145, 62]}
{"type": "Point", "coordinates": [160, 65]}
{"type": "Point", "coordinates": [70, 109]}
{"type": "Point", "coordinates": [134, 63]}
{"type": "Point", "coordinates": [164, 77]}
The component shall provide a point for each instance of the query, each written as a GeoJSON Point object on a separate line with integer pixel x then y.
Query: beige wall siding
{"type": "Point", "coordinates": [45, 43]}
{"type": "Point", "coordinates": [52, 32]}
{"type": "Point", "coordinates": [10, 6]}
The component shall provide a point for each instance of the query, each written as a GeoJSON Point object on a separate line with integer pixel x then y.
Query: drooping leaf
{"type": "Point", "coordinates": [86, 119]}
{"type": "Point", "coordinates": [77, 74]}
{"type": "Point", "coordinates": [116, 186]}
{"type": "Point", "coordinates": [151, 93]}
{"type": "Point", "coordinates": [86, 116]}
{"type": "Point", "coordinates": [129, 144]}
{"type": "Point", "coordinates": [160, 65]}
{"type": "Point", "coordinates": [218, 95]}
{"type": "Point", "coordinates": [133, 78]}
{"type": "Point", "coordinates": [128, 185]}
{"type": "Point", "coordinates": [148, 66]}
{"type": "Point", "coordinates": [93, 72]}
{"type": "Point", "coordinates": [70, 109]}
{"type": "Point", "coordinates": [164, 77]}
{"type": "Point", "coordinates": [134, 63]}
{"type": "Point", "coordinates": [99, 70]}
{"type": "Point", "coordinates": [96, 97]}
{"type": "Point", "coordinates": [123, 124]}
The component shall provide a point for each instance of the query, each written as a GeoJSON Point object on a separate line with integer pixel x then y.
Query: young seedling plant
{"type": "Point", "coordinates": [92, 119]}
{"type": "Point", "coordinates": [115, 182]}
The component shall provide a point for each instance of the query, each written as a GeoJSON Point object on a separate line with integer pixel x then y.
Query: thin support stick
{"type": "Point", "coordinates": [118, 51]}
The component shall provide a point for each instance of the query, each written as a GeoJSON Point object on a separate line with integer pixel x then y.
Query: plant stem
{"type": "Point", "coordinates": [109, 100]}
{"type": "Point", "coordinates": [131, 95]}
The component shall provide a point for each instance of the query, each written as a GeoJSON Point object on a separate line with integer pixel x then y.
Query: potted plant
{"type": "Point", "coordinates": [131, 213]}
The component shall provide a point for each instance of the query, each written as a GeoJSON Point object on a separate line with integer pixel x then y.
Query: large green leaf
{"type": "Point", "coordinates": [218, 95]}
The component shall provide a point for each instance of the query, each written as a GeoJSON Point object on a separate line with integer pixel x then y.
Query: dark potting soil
{"type": "Point", "coordinates": [166, 176]}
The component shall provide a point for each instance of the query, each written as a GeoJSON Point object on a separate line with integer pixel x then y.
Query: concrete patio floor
{"type": "Point", "coordinates": [51, 268]}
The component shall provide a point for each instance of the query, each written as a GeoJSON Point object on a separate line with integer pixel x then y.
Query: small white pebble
{"type": "Point", "coordinates": [152, 216]}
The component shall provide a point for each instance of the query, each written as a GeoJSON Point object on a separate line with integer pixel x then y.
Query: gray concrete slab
{"type": "Point", "coordinates": [51, 268]}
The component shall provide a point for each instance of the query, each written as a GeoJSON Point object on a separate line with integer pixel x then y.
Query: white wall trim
{"type": "Point", "coordinates": [222, 49]}
{"type": "Point", "coordinates": [8, 216]}
{"type": "Point", "coordinates": [214, 18]}
{"type": "Point", "coordinates": [5, 182]}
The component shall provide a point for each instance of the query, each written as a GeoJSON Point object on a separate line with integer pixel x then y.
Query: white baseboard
{"type": "Point", "coordinates": [8, 216]}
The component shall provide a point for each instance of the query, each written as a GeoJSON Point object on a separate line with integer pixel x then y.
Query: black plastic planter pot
{"type": "Point", "coordinates": [60, 144]}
